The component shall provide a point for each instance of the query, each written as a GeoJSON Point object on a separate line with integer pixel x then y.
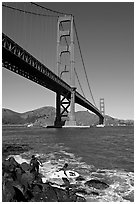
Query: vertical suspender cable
{"type": "Point", "coordinates": [24, 28]}
{"type": "Point", "coordinates": [79, 83]}
{"type": "Point", "coordinates": [83, 63]}
{"type": "Point", "coordinates": [75, 70]}
{"type": "Point", "coordinates": [5, 20]}
{"type": "Point", "coordinates": [30, 28]}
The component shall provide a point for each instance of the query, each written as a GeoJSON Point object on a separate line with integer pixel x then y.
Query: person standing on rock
{"type": "Point", "coordinates": [34, 165]}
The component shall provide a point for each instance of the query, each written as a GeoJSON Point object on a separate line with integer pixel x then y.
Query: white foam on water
{"type": "Point", "coordinates": [121, 182]}
{"type": "Point", "coordinates": [71, 155]}
{"type": "Point", "coordinates": [122, 186]}
{"type": "Point", "coordinates": [19, 159]}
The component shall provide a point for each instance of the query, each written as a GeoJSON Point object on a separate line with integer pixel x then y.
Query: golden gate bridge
{"type": "Point", "coordinates": [24, 62]}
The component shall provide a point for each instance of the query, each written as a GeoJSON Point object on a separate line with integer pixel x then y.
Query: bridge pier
{"type": "Point", "coordinates": [72, 118]}
{"type": "Point", "coordinates": [57, 122]}
{"type": "Point", "coordinates": [62, 105]}
{"type": "Point", "coordinates": [101, 120]}
{"type": "Point", "coordinates": [63, 117]}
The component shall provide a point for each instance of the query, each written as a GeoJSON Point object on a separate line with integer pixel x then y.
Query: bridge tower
{"type": "Point", "coordinates": [102, 109]}
{"type": "Point", "coordinates": [102, 106]}
{"type": "Point", "coordinates": [65, 45]}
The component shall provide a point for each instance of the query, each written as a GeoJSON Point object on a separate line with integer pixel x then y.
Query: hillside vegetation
{"type": "Point", "coordinates": [46, 115]}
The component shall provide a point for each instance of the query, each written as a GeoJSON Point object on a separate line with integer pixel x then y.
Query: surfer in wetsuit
{"type": "Point", "coordinates": [64, 168]}
{"type": "Point", "coordinates": [65, 180]}
{"type": "Point", "coordinates": [34, 165]}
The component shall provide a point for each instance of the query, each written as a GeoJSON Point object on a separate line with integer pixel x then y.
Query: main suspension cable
{"type": "Point", "coordinates": [28, 12]}
{"type": "Point", "coordinates": [50, 9]}
{"type": "Point", "coordinates": [83, 63]}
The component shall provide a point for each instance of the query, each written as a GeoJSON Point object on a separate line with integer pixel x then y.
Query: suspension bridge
{"type": "Point", "coordinates": [20, 60]}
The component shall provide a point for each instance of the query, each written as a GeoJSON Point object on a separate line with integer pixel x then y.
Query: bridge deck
{"type": "Point", "coordinates": [18, 60]}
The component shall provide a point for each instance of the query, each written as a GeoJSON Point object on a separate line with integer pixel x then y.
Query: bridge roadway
{"type": "Point", "coordinates": [18, 60]}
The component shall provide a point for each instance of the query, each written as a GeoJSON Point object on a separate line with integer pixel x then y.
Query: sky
{"type": "Point", "coordinates": [106, 35]}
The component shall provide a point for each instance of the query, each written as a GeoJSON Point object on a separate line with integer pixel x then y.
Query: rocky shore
{"type": "Point", "coordinates": [19, 185]}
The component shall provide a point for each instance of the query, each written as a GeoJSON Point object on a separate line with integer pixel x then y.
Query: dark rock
{"type": "Point", "coordinates": [10, 164]}
{"type": "Point", "coordinates": [62, 195]}
{"type": "Point", "coordinates": [5, 166]}
{"type": "Point", "coordinates": [28, 195]}
{"type": "Point", "coordinates": [13, 162]}
{"type": "Point", "coordinates": [37, 188]}
{"type": "Point", "coordinates": [82, 191]}
{"type": "Point", "coordinates": [18, 174]}
{"type": "Point", "coordinates": [25, 166]}
{"type": "Point", "coordinates": [54, 194]}
{"type": "Point", "coordinates": [69, 185]}
{"type": "Point", "coordinates": [8, 192]}
{"type": "Point", "coordinates": [97, 184]}
{"type": "Point", "coordinates": [80, 178]}
{"type": "Point", "coordinates": [80, 199]}
{"type": "Point", "coordinates": [49, 193]}
{"type": "Point", "coordinates": [100, 171]}
{"type": "Point", "coordinates": [94, 193]}
{"type": "Point", "coordinates": [19, 185]}
{"type": "Point", "coordinates": [19, 197]}
{"type": "Point", "coordinates": [27, 180]}
{"type": "Point", "coordinates": [129, 197]}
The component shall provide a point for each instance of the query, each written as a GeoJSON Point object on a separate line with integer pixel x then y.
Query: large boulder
{"type": "Point", "coordinates": [19, 196]}
{"type": "Point", "coordinates": [25, 166]}
{"type": "Point", "coordinates": [80, 178]}
{"type": "Point", "coordinates": [27, 180]}
{"type": "Point", "coordinates": [47, 193]}
{"type": "Point", "coordinates": [8, 192]}
{"type": "Point", "coordinates": [9, 166]}
{"type": "Point", "coordinates": [11, 192]}
{"type": "Point", "coordinates": [97, 184]}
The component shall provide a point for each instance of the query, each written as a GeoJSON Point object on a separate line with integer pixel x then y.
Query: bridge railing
{"type": "Point", "coordinates": [84, 102]}
{"type": "Point", "coordinates": [13, 47]}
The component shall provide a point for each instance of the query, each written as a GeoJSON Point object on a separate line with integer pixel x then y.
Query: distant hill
{"type": "Point", "coordinates": [11, 117]}
{"type": "Point", "coordinates": [86, 118]}
{"type": "Point", "coordinates": [41, 116]}
{"type": "Point", "coordinates": [46, 116]}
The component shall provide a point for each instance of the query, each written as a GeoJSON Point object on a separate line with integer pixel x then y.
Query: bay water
{"type": "Point", "coordinates": [105, 154]}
